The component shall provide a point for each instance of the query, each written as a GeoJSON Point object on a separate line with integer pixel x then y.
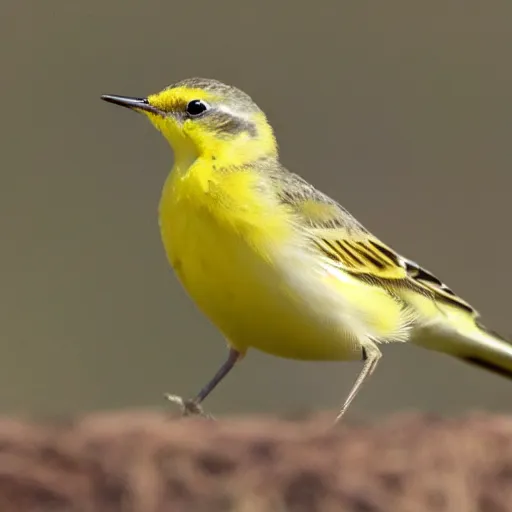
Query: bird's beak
{"type": "Point", "coordinates": [140, 104]}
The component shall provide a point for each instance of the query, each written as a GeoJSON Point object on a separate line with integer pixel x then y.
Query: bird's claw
{"type": "Point", "coordinates": [188, 407]}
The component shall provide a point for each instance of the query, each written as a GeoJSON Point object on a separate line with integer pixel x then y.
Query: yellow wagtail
{"type": "Point", "coordinates": [276, 264]}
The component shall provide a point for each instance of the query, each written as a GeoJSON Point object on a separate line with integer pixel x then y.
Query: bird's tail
{"type": "Point", "coordinates": [463, 336]}
{"type": "Point", "coordinates": [489, 350]}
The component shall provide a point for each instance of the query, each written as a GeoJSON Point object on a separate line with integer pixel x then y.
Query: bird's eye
{"type": "Point", "coordinates": [196, 108]}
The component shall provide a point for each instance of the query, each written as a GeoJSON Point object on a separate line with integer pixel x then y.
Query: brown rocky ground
{"type": "Point", "coordinates": [147, 462]}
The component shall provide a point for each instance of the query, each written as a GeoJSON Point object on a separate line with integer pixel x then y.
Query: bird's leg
{"type": "Point", "coordinates": [192, 407]}
{"type": "Point", "coordinates": [371, 356]}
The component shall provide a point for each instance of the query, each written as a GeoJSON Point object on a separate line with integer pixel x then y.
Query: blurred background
{"type": "Point", "coordinates": [400, 110]}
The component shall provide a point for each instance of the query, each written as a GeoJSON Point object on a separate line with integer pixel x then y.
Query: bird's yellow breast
{"type": "Point", "coordinates": [221, 237]}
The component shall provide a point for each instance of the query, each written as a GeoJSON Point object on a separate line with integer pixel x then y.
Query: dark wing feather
{"type": "Point", "coordinates": [341, 238]}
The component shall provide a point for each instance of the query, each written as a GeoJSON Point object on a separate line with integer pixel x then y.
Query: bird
{"type": "Point", "coordinates": [277, 265]}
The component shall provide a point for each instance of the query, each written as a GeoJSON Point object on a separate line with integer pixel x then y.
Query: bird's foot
{"type": "Point", "coordinates": [188, 407]}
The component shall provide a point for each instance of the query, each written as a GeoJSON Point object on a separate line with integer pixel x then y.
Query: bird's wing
{"type": "Point", "coordinates": [348, 245]}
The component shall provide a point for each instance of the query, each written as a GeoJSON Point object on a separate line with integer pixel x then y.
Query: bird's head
{"type": "Point", "coordinates": [206, 118]}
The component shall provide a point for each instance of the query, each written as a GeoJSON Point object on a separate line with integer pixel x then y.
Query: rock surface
{"type": "Point", "coordinates": [140, 461]}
